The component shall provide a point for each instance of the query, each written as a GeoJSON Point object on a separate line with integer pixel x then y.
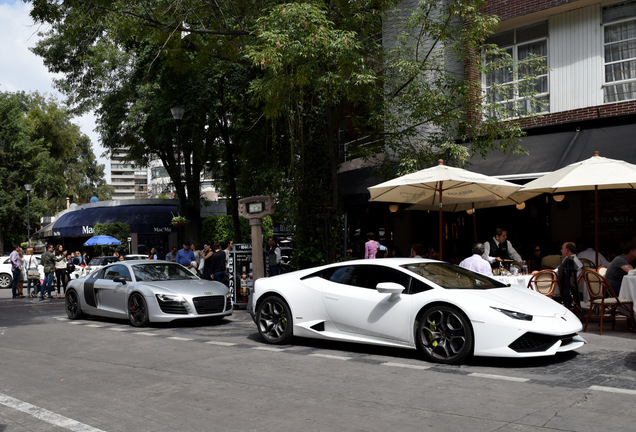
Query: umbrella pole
{"type": "Point", "coordinates": [596, 222]}
{"type": "Point", "coordinates": [474, 223]}
{"type": "Point", "coordinates": [440, 220]}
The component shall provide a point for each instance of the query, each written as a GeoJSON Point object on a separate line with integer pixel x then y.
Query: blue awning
{"type": "Point", "coordinates": [150, 219]}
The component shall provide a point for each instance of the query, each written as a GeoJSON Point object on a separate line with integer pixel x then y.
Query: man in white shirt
{"type": "Point", "coordinates": [475, 262]}
{"type": "Point", "coordinates": [590, 253]}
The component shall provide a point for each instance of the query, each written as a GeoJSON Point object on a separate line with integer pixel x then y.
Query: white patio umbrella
{"type": "Point", "coordinates": [591, 174]}
{"type": "Point", "coordinates": [515, 198]}
{"type": "Point", "coordinates": [440, 186]}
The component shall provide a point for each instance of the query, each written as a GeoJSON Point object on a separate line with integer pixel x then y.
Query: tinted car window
{"type": "Point", "coordinates": [162, 272]}
{"type": "Point", "coordinates": [369, 276]}
{"type": "Point", "coordinates": [364, 276]}
{"type": "Point", "coordinates": [453, 277]}
{"type": "Point", "coordinates": [116, 270]}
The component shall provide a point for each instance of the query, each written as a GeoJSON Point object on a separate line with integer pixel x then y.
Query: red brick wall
{"type": "Point", "coordinates": [601, 111]}
{"type": "Point", "coordinates": [506, 9]}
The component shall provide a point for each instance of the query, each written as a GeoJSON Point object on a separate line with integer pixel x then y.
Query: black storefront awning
{"type": "Point", "coordinates": [552, 151]}
{"type": "Point", "coordinates": [142, 219]}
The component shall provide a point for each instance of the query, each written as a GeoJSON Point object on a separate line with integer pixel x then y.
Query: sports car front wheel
{"type": "Point", "coordinates": [274, 320]}
{"type": "Point", "coordinates": [137, 310]}
{"type": "Point", "coordinates": [73, 306]}
{"type": "Point", "coordinates": [444, 335]}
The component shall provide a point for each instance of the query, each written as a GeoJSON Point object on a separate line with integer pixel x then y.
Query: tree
{"type": "Point", "coordinates": [39, 145]}
{"type": "Point", "coordinates": [284, 85]}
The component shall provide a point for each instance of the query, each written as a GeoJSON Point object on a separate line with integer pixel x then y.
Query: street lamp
{"type": "Point", "coordinates": [177, 114]}
{"type": "Point", "coordinates": [27, 187]}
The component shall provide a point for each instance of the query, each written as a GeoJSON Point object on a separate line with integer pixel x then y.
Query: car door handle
{"type": "Point", "coordinates": [328, 297]}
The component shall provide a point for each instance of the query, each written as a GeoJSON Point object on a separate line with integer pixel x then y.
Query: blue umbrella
{"type": "Point", "coordinates": [101, 240]}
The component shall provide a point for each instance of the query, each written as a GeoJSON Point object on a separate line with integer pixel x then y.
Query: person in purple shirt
{"type": "Point", "coordinates": [476, 262]}
{"type": "Point", "coordinates": [185, 256]}
{"type": "Point", "coordinates": [371, 246]}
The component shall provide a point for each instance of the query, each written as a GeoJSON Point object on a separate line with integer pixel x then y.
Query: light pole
{"type": "Point", "coordinates": [177, 114]}
{"type": "Point", "coordinates": [27, 187]}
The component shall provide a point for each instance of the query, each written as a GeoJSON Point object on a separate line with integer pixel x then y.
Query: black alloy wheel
{"type": "Point", "coordinates": [444, 335]}
{"type": "Point", "coordinates": [137, 310]}
{"type": "Point", "coordinates": [73, 306]}
{"type": "Point", "coordinates": [274, 320]}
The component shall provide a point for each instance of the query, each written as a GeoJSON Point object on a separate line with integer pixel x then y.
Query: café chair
{"type": "Point", "coordinates": [544, 282]}
{"type": "Point", "coordinates": [587, 264]}
{"type": "Point", "coordinates": [604, 304]}
{"type": "Point", "coordinates": [551, 261]}
{"type": "Point", "coordinates": [602, 270]}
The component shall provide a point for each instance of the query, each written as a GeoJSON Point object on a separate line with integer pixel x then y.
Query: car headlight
{"type": "Point", "coordinates": [169, 298]}
{"type": "Point", "coordinates": [513, 314]}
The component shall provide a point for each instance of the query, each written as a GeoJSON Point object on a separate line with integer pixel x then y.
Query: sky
{"type": "Point", "coordinates": [21, 70]}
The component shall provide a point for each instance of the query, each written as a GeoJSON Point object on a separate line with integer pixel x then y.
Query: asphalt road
{"type": "Point", "coordinates": [103, 375]}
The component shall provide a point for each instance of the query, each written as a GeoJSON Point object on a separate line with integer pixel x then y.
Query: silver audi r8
{"type": "Point", "coordinates": [146, 291]}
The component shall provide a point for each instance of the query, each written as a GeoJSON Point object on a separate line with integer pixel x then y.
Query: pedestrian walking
{"type": "Point", "coordinates": [48, 262]}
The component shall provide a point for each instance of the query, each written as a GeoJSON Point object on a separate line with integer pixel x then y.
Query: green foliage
{"type": "Point", "coordinates": [278, 94]}
{"type": "Point", "coordinates": [40, 146]}
{"type": "Point", "coordinates": [221, 229]}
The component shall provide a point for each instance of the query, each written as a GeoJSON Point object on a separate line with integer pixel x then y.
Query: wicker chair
{"type": "Point", "coordinates": [544, 282]}
{"type": "Point", "coordinates": [604, 304]}
{"type": "Point", "coordinates": [587, 264]}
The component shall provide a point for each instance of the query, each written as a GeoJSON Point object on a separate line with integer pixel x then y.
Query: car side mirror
{"type": "Point", "coordinates": [392, 288]}
{"type": "Point", "coordinates": [120, 279]}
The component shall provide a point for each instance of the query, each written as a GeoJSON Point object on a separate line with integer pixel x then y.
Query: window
{"type": "Point", "coordinates": [117, 270]}
{"type": "Point", "coordinates": [364, 276]}
{"type": "Point", "coordinates": [506, 86]}
{"type": "Point", "coordinates": [619, 29]}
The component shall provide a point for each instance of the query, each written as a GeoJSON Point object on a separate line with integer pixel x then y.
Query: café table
{"type": "Point", "coordinates": [514, 280]}
{"type": "Point", "coordinates": [628, 289]}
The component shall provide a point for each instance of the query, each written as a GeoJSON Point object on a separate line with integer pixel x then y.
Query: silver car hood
{"type": "Point", "coordinates": [194, 288]}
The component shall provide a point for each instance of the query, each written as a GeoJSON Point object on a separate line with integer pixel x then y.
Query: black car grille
{"type": "Point", "coordinates": [535, 342]}
{"type": "Point", "coordinates": [209, 305]}
{"type": "Point", "coordinates": [173, 307]}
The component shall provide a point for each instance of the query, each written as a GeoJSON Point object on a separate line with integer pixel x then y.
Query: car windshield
{"type": "Point", "coordinates": [453, 277]}
{"type": "Point", "coordinates": [100, 261]}
{"type": "Point", "coordinates": [162, 272]}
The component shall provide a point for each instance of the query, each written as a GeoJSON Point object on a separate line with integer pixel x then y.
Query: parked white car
{"type": "Point", "coordinates": [6, 276]}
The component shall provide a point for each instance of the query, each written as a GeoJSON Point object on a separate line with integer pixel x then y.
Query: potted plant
{"type": "Point", "coordinates": [179, 220]}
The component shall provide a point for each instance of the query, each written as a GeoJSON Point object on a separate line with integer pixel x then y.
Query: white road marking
{"type": "Point", "coordinates": [75, 322]}
{"type": "Point", "coordinates": [46, 415]}
{"type": "Point", "coordinates": [405, 365]}
{"type": "Point", "coordinates": [272, 349]}
{"type": "Point", "coordinates": [328, 356]}
{"type": "Point", "coordinates": [612, 390]}
{"type": "Point", "coordinates": [119, 329]}
{"type": "Point", "coordinates": [180, 338]}
{"type": "Point", "coordinates": [145, 333]}
{"type": "Point", "coordinates": [95, 325]}
{"type": "Point", "coordinates": [221, 343]}
{"type": "Point", "coordinates": [498, 377]}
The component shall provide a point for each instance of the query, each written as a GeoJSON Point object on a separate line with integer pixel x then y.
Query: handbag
{"type": "Point", "coordinates": [33, 273]}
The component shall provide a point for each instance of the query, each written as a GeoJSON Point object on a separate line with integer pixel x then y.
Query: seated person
{"type": "Point", "coordinates": [589, 253]}
{"type": "Point", "coordinates": [620, 266]}
{"type": "Point", "coordinates": [475, 262]}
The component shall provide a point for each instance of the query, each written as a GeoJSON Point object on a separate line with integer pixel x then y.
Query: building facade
{"type": "Point", "coordinates": [588, 103]}
{"type": "Point", "coordinates": [129, 182]}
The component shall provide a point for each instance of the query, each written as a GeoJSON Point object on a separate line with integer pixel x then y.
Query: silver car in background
{"type": "Point", "coordinates": [145, 291]}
